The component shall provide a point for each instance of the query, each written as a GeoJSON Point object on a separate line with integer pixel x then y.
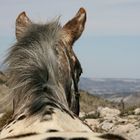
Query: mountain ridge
{"type": "Point", "coordinates": [114, 89]}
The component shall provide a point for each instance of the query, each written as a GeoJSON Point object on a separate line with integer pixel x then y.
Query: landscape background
{"type": "Point", "coordinates": [113, 89]}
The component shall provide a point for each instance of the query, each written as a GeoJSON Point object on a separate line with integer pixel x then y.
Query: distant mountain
{"type": "Point", "coordinates": [112, 88]}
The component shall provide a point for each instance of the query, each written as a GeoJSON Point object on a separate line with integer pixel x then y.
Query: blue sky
{"type": "Point", "coordinates": [110, 44]}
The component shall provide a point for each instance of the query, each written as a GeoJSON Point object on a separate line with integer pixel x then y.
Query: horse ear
{"type": "Point", "coordinates": [22, 22]}
{"type": "Point", "coordinates": [74, 28]}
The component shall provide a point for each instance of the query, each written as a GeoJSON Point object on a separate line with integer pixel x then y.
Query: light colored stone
{"type": "Point", "coordinates": [123, 129]}
{"type": "Point", "coordinates": [137, 111]}
{"type": "Point", "coordinates": [110, 122]}
{"type": "Point", "coordinates": [108, 112]}
{"type": "Point", "coordinates": [135, 134]}
{"type": "Point", "coordinates": [132, 117]}
{"type": "Point", "coordinates": [93, 123]}
{"type": "Point", "coordinates": [91, 113]}
{"type": "Point", "coordinates": [82, 114]}
{"type": "Point", "coordinates": [106, 126]}
{"type": "Point", "coordinates": [111, 119]}
{"type": "Point", "coordinates": [122, 120]}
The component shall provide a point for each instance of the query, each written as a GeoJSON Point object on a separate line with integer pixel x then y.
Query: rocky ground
{"type": "Point", "coordinates": [107, 120]}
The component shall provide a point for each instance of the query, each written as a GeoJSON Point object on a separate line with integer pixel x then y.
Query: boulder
{"type": "Point", "coordinates": [104, 112]}
{"type": "Point", "coordinates": [135, 134]}
{"type": "Point", "coordinates": [123, 129]}
{"type": "Point", "coordinates": [82, 114]}
{"type": "Point", "coordinates": [106, 126]}
{"type": "Point", "coordinates": [137, 111]}
{"type": "Point", "coordinates": [93, 123]}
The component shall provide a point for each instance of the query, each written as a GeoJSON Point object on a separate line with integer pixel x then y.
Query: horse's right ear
{"type": "Point", "coordinates": [22, 22]}
{"type": "Point", "coordinates": [74, 27]}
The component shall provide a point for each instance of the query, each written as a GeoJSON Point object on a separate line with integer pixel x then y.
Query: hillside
{"type": "Point", "coordinates": [110, 85]}
{"type": "Point", "coordinates": [113, 89]}
{"type": "Point", "coordinates": [89, 102]}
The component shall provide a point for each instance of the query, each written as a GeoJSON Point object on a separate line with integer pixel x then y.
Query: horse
{"type": "Point", "coordinates": [43, 75]}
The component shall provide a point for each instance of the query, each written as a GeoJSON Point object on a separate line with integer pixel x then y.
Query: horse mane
{"type": "Point", "coordinates": [32, 67]}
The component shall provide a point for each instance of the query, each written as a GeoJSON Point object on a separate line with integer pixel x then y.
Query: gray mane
{"type": "Point", "coordinates": [33, 69]}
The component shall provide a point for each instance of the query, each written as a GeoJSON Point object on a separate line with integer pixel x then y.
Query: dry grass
{"type": "Point", "coordinates": [90, 102]}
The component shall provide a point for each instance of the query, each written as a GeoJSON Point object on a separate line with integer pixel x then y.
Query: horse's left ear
{"type": "Point", "coordinates": [74, 28]}
{"type": "Point", "coordinates": [22, 22]}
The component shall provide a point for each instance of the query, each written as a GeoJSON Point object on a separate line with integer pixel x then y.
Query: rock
{"type": "Point", "coordinates": [91, 113]}
{"type": "Point", "coordinates": [108, 112]}
{"type": "Point", "coordinates": [110, 121]}
{"type": "Point", "coordinates": [82, 114]}
{"type": "Point", "coordinates": [137, 111]}
{"type": "Point", "coordinates": [93, 123]}
{"type": "Point", "coordinates": [135, 134]}
{"type": "Point", "coordinates": [122, 120]}
{"type": "Point", "coordinates": [123, 129]}
{"type": "Point", "coordinates": [106, 126]}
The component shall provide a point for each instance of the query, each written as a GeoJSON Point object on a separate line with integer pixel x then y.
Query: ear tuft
{"type": "Point", "coordinates": [21, 18]}
{"type": "Point", "coordinates": [82, 10]}
{"type": "Point", "coordinates": [81, 14]}
{"type": "Point", "coordinates": [22, 22]}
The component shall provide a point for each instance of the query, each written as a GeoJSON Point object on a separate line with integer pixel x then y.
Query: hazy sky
{"type": "Point", "coordinates": [110, 44]}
